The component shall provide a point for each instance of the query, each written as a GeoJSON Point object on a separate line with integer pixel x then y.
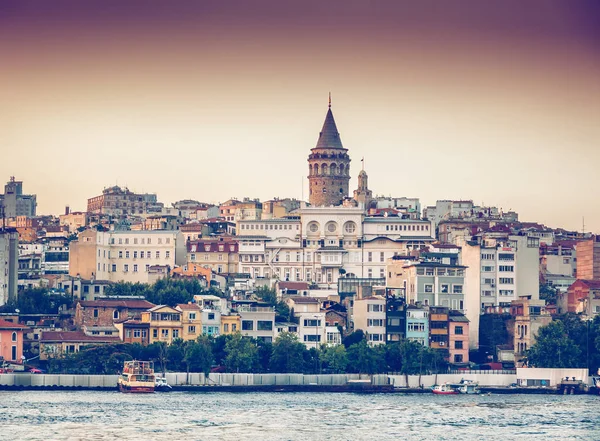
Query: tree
{"type": "Point", "coordinates": [267, 295]}
{"type": "Point", "coordinates": [549, 294]}
{"type": "Point", "coordinates": [336, 359]}
{"type": "Point", "coordinates": [198, 355]}
{"type": "Point", "coordinates": [393, 357]}
{"type": "Point", "coordinates": [288, 354]}
{"type": "Point", "coordinates": [354, 338]}
{"type": "Point", "coordinates": [554, 348]}
{"type": "Point", "coordinates": [176, 355]}
{"type": "Point", "coordinates": [242, 354]}
{"type": "Point", "coordinates": [365, 360]}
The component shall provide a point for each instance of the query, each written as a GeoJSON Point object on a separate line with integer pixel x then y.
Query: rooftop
{"type": "Point", "coordinates": [131, 304]}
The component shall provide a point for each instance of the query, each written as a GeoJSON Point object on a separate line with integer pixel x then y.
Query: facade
{"type": "Point", "coordinates": [369, 315]}
{"type": "Point", "coordinates": [311, 320]}
{"type": "Point", "coordinates": [211, 322]}
{"type": "Point", "coordinates": [117, 201]}
{"type": "Point", "coordinates": [165, 324]}
{"type": "Point", "coordinates": [428, 283]}
{"type": "Point", "coordinates": [14, 203]}
{"type": "Point", "coordinates": [125, 256]}
{"type": "Point", "coordinates": [230, 324]}
{"type": "Point", "coordinates": [502, 268]}
{"type": "Point", "coordinates": [439, 332]}
{"type": "Point", "coordinates": [530, 316]}
{"type": "Point", "coordinates": [257, 322]}
{"type": "Point", "coordinates": [221, 255]}
{"type": "Point", "coordinates": [588, 259]}
{"type": "Point", "coordinates": [458, 332]}
{"type": "Point", "coordinates": [133, 330]}
{"type": "Point", "coordinates": [11, 341]}
{"type": "Point", "coordinates": [582, 297]}
{"type": "Point", "coordinates": [73, 220]}
{"type": "Point", "coordinates": [417, 324]}
{"type": "Point", "coordinates": [9, 265]}
{"type": "Point", "coordinates": [328, 167]}
{"type": "Point", "coordinates": [106, 312]}
{"type": "Point", "coordinates": [191, 321]}
{"type": "Point", "coordinates": [56, 343]}
{"type": "Point", "coordinates": [396, 317]}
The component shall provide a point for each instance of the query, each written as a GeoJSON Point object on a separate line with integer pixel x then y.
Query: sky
{"type": "Point", "coordinates": [498, 102]}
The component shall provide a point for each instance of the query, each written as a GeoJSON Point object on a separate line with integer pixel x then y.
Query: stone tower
{"type": "Point", "coordinates": [328, 166]}
{"type": "Point", "coordinates": [362, 194]}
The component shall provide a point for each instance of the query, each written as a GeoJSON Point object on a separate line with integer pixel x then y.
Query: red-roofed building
{"type": "Point", "coordinates": [11, 341]}
{"type": "Point", "coordinates": [583, 297]}
{"type": "Point", "coordinates": [54, 344]}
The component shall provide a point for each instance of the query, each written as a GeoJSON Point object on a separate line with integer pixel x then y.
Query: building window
{"type": "Point", "coordinates": [114, 268]}
{"type": "Point", "coordinates": [428, 287]}
{"type": "Point", "coordinates": [507, 280]}
{"type": "Point", "coordinates": [382, 257]}
{"type": "Point", "coordinates": [137, 333]}
{"type": "Point", "coordinates": [458, 358]}
{"type": "Point", "coordinates": [167, 254]}
{"type": "Point", "coordinates": [126, 254]}
{"type": "Point", "coordinates": [120, 254]}
{"type": "Point", "coordinates": [311, 323]}
{"type": "Point", "coordinates": [211, 315]}
{"type": "Point", "coordinates": [458, 344]}
{"type": "Point", "coordinates": [374, 322]}
{"type": "Point", "coordinates": [115, 314]}
{"type": "Point", "coordinates": [135, 268]}
{"type": "Point", "coordinates": [158, 254]}
{"type": "Point", "coordinates": [375, 308]}
{"type": "Point", "coordinates": [506, 268]}
{"type": "Point", "coordinates": [192, 316]}
{"type": "Point", "coordinates": [369, 256]}
{"type": "Point", "coordinates": [95, 313]}
{"type": "Point", "coordinates": [191, 329]}
{"type": "Point", "coordinates": [126, 268]}
{"type": "Point", "coordinates": [175, 333]}
{"type": "Point", "coordinates": [135, 254]}
{"type": "Point", "coordinates": [155, 333]}
{"type": "Point", "coordinates": [312, 338]}
{"type": "Point", "coordinates": [457, 289]}
{"type": "Point", "coordinates": [444, 288]}
{"type": "Point", "coordinates": [128, 333]}
{"type": "Point", "coordinates": [264, 325]}
{"type": "Point", "coordinates": [14, 336]}
{"type": "Point", "coordinates": [247, 325]}
{"type": "Point", "coordinates": [458, 330]}
{"type": "Point", "coordinates": [164, 333]}
{"type": "Point", "coordinates": [225, 327]}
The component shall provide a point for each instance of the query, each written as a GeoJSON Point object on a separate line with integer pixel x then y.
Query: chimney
{"type": "Point", "coordinates": [67, 210]}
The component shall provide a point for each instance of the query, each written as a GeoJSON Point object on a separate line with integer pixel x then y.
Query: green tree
{"type": "Point", "coordinates": [554, 348]}
{"type": "Point", "coordinates": [355, 337]}
{"type": "Point", "coordinates": [336, 359]}
{"type": "Point", "coordinates": [198, 355]}
{"type": "Point", "coordinates": [176, 355]}
{"type": "Point", "coordinates": [267, 295]}
{"type": "Point", "coordinates": [242, 354]}
{"type": "Point", "coordinates": [549, 294]}
{"type": "Point", "coordinates": [288, 354]}
{"type": "Point", "coordinates": [365, 360]}
{"type": "Point", "coordinates": [393, 357]}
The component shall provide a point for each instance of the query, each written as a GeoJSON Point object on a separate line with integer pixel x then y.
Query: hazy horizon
{"type": "Point", "coordinates": [498, 103]}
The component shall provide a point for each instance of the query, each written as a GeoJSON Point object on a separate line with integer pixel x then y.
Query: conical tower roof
{"type": "Point", "coordinates": [329, 138]}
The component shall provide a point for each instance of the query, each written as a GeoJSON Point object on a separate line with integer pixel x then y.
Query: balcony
{"type": "Point", "coordinates": [442, 331]}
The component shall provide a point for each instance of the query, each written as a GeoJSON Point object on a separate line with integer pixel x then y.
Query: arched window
{"type": "Point", "coordinates": [316, 169]}
{"type": "Point", "coordinates": [342, 170]}
{"type": "Point", "coordinates": [333, 169]}
{"type": "Point", "coordinates": [14, 336]}
{"type": "Point", "coordinates": [310, 169]}
{"type": "Point", "coordinates": [324, 169]}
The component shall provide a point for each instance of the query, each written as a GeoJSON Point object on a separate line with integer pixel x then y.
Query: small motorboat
{"type": "Point", "coordinates": [468, 387]}
{"type": "Point", "coordinates": [161, 385]}
{"type": "Point", "coordinates": [445, 389]}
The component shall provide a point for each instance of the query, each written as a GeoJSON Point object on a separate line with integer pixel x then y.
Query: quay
{"type": "Point", "coordinates": [523, 381]}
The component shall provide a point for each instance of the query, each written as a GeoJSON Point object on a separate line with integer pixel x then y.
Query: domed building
{"type": "Point", "coordinates": [328, 166]}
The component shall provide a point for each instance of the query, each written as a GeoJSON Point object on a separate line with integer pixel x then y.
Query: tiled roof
{"type": "Point", "coordinates": [304, 300]}
{"type": "Point", "coordinates": [130, 304]}
{"type": "Point", "coordinates": [188, 307]}
{"type": "Point", "coordinates": [5, 324]}
{"type": "Point", "coordinates": [76, 336]}
{"type": "Point", "coordinates": [293, 285]}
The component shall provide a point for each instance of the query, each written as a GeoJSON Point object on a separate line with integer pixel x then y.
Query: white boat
{"type": "Point", "coordinates": [468, 387]}
{"type": "Point", "coordinates": [161, 385]}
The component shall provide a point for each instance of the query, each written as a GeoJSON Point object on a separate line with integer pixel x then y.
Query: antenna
{"type": "Point", "coordinates": [302, 187]}
{"type": "Point", "coordinates": [583, 225]}
{"type": "Point", "coordinates": [330, 100]}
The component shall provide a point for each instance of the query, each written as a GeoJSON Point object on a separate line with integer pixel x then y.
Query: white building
{"type": "Point", "coordinates": [410, 206]}
{"type": "Point", "coordinates": [501, 268]}
{"type": "Point", "coordinates": [125, 255]}
{"type": "Point", "coordinates": [9, 265]}
{"type": "Point", "coordinates": [369, 315]}
{"type": "Point", "coordinates": [311, 320]}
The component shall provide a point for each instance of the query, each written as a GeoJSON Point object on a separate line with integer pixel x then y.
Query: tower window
{"type": "Point", "coordinates": [341, 190]}
{"type": "Point", "coordinates": [324, 190]}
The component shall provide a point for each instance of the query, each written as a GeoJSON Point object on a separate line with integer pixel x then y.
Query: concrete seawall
{"type": "Point", "coordinates": [339, 382]}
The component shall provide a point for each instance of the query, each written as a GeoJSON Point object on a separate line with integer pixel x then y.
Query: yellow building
{"type": "Point", "coordinates": [230, 324]}
{"type": "Point", "coordinates": [165, 323]}
{"type": "Point", "coordinates": [191, 320]}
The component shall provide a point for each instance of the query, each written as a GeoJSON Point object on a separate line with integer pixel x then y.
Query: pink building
{"type": "Point", "coordinates": [458, 339]}
{"type": "Point", "coordinates": [11, 341]}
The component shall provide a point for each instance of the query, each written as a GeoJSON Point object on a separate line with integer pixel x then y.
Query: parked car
{"type": "Point", "coordinates": [36, 371]}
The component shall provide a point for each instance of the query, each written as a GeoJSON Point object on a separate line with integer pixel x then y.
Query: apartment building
{"type": "Point", "coordinates": [124, 255]}
{"type": "Point", "coordinates": [220, 254]}
{"type": "Point", "coordinates": [9, 265]}
{"type": "Point", "coordinates": [369, 315]}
